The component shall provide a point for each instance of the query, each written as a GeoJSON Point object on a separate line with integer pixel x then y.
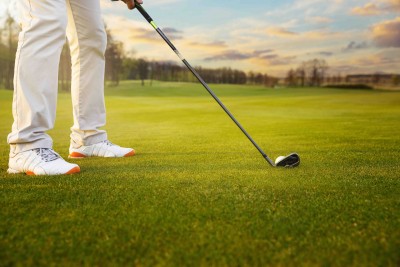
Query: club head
{"type": "Point", "coordinates": [290, 161]}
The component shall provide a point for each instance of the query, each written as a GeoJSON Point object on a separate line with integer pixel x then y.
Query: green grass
{"type": "Point", "coordinates": [198, 193]}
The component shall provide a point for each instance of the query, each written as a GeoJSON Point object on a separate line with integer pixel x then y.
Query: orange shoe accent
{"type": "Point", "coordinates": [71, 171]}
{"type": "Point", "coordinates": [74, 170]}
{"type": "Point", "coordinates": [76, 155]}
{"type": "Point", "coordinates": [132, 153]}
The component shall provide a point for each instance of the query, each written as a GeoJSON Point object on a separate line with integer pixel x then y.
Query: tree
{"type": "Point", "coordinates": [239, 77]}
{"type": "Point", "coordinates": [250, 77]}
{"type": "Point", "coordinates": [270, 81]}
{"type": "Point", "coordinates": [143, 69]}
{"type": "Point", "coordinates": [301, 75]}
{"type": "Point", "coordinates": [376, 78]}
{"type": "Point", "coordinates": [129, 68]}
{"type": "Point", "coordinates": [7, 52]}
{"type": "Point", "coordinates": [291, 78]}
{"type": "Point", "coordinates": [395, 79]}
{"type": "Point", "coordinates": [315, 71]}
{"type": "Point", "coordinates": [64, 71]}
{"type": "Point", "coordinates": [114, 57]}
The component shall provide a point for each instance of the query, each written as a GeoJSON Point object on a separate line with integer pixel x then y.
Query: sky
{"type": "Point", "coordinates": [268, 36]}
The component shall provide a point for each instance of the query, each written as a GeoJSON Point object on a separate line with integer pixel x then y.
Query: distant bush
{"type": "Point", "coordinates": [349, 86]}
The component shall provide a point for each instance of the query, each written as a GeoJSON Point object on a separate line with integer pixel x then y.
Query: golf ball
{"type": "Point", "coordinates": [279, 159]}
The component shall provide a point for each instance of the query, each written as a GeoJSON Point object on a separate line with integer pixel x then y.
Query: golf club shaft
{"type": "Point", "coordinates": [160, 32]}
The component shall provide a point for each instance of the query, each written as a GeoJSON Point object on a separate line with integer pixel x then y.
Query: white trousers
{"type": "Point", "coordinates": [45, 26]}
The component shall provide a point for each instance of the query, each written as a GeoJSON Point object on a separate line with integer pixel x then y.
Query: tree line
{"type": "Point", "coordinates": [119, 66]}
{"type": "Point", "coordinates": [314, 73]}
{"type": "Point", "coordinates": [141, 69]}
{"type": "Point", "coordinates": [308, 73]}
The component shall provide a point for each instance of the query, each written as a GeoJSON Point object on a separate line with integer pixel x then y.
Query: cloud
{"type": "Point", "coordinates": [384, 61]}
{"type": "Point", "coordinates": [172, 33]}
{"type": "Point", "coordinates": [387, 33]}
{"type": "Point", "coordinates": [138, 31]}
{"type": "Point", "coordinates": [310, 8]}
{"type": "Point", "coordinates": [376, 60]}
{"type": "Point", "coordinates": [274, 60]}
{"type": "Point", "coordinates": [214, 44]}
{"type": "Point", "coordinates": [320, 53]}
{"type": "Point", "coordinates": [321, 35]}
{"type": "Point", "coordinates": [325, 53]}
{"type": "Point", "coordinates": [260, 57]}
{"type": "Point", "coordinates": [144, 36]}
{"type": "Point", "coordinates": [236, 55]}
{"type": "Point", "coordinates": [392, 5]}
{"type": "Point", "coordinates": [355, 46]}
{"type": "Point", "coordinates": [229, 55]}
{"type": "Point", "coordinates": [377, 8]}
{"type": "Point", "coordinates": [150, 36]}
{"type": "Point", "coordinates": [369, 9]}
{"type": "Point", "coordinates": [319, 20]}
{"type": "Point", "coordinates": [262, 52]}
{"type": "Point", "coordinates": [318, 34]}
{"type": "Point", "coordinates": [280, 32]}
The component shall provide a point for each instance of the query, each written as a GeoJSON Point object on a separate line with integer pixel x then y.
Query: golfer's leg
{"type": "Point", "coordinates": [87, 39]}
{"type": "Point", "coordinates": [36, 73]}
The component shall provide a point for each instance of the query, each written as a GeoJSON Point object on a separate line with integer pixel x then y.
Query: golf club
{"type": "Point", "coordinates": [292, 160]}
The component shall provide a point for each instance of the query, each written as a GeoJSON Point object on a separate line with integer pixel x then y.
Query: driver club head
{"type": "Point", "coordinates": [290, 161]}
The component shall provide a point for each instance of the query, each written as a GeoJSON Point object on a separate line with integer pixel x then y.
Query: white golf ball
{"type": "Point", "coordinates": [279, 159]}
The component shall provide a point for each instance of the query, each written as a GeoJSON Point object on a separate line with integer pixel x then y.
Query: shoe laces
{"type": "Point", "coordinates": [108, 143]}
{"type": "Point", "coordinates": [47, 154]}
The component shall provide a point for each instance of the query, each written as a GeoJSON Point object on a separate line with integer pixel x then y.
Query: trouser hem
{"type": "Point", "coordinates": [22, 147]}
{"type": "Point", "coordinates": [88, 140]}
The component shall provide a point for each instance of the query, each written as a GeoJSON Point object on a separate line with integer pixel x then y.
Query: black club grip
{"type": "Point", "coordinates": [142, 11]}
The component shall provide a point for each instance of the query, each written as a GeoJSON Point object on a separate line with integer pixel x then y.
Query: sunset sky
{"type": "Point", "coordinates": [353, 36]}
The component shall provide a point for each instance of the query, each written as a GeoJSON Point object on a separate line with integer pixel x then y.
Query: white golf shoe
{"type": "Point", "coordinates": [104, 149]}
{"type": "Point", "coordinates": [40, 161]}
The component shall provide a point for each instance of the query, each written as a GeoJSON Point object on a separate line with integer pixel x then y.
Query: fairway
{"type": "Point", "coordinates": [199, 194]}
